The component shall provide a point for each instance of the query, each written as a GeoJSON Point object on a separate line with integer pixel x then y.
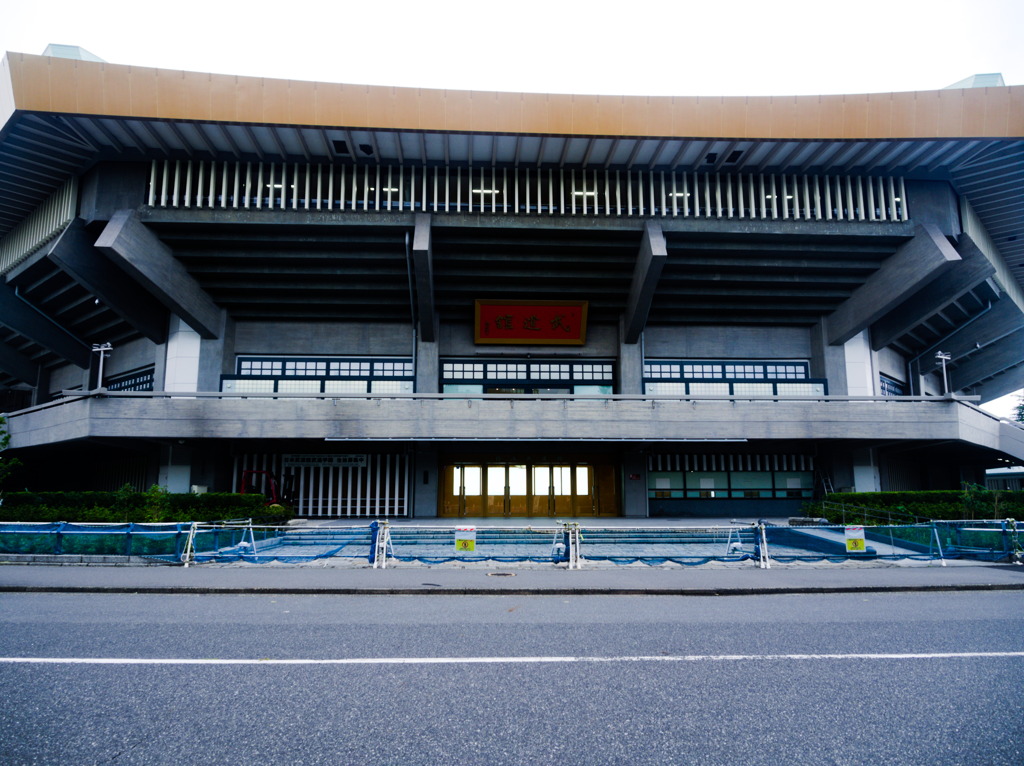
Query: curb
{"type": "Point", "coordinates": [464, 591]}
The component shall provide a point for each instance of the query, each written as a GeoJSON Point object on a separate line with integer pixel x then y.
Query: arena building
{"type": "Point", "coordinates": [416, 303]}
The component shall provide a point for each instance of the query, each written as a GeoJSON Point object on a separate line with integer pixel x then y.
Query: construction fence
{"type": "Point", "coordinates": [568, 544]}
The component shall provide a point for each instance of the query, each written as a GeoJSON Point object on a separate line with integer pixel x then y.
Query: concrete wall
{"type": "Point", "coordinates": [323, 338]}
{"type": "Point", "coordinates": [457, 340]}
{"type": "Point", "coordinates": [130, 356]}
{"type": "Point", "coordinates": [890, 362]}
{"type": "Point", "coordinates": [66, 377]}
{"type": "Point", "coordinates": [700, 342]}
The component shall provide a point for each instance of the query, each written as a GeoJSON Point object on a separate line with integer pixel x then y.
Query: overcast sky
{"type": "Point", "coordinates": [640, 47]}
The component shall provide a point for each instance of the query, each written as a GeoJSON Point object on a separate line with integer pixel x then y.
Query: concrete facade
{"type": "Point", "coordinates": [297, 301]}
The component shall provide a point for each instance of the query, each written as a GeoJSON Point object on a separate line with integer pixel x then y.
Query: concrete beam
{"type": "Point", "coordinates": [139, 253]}
{"type": "Point", "coordinates": [25, 319]}
{"type": "Point", "coordinates": [423, 270]}
{"type": "Point", "coordinates": [650, 261]}
{"type": "Point", "coordinates": [940, 292]}
{"type": "Point", "coordinates": [1001, 385]}
{"type": "Point", "coordinates": [74, 253]}
{"type": "Point", "coordinates": [1002, 319]}
{"type": "Point", "coordinates": [913, 265]}
{"type": "Point", "coordinates": [992, 360]}
{"type": "Point", "coordinates": [16, 364]}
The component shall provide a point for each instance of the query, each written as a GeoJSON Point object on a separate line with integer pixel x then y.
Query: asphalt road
{"type": "Point", "coordinates": [597, 680]}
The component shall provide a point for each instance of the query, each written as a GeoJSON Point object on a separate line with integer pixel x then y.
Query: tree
{"type": "Point", "coordinates": [1018, 412]}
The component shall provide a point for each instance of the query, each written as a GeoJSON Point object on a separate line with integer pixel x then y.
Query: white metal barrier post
{"type": "Point", "coordinates": [382, 545]}
{"type": "Point", "coordinates": [189, 554]}
{"type": "Point", "coordinates": [575, 538]}
{"type": "Point", "coordinates": [765, 563]}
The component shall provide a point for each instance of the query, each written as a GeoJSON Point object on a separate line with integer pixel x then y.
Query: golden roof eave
{"type": "Point", "coordinates": [55, 85]}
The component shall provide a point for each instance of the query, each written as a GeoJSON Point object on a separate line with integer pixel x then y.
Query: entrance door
{"type": "Point", "coordinates": [517, 489]}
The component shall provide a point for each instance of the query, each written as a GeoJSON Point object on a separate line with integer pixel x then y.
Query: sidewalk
{"type": "Point", "coordinates": [480, 579]}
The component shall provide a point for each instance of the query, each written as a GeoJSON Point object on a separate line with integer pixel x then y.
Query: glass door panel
{"type": "Point", "coordinates": [540, 500]}
{"type": "Point", "coordinates": [462, 491]}
{"type": "Point", "coordinates": [472, 490]}
{"type": "Point", "coordinates": [497, 490]}
{"type": "Point", "coordinates": [583, 492]}
{"type": "Point", "coordinates": [518, 504]}
{"type": "Point", "coordinates": [561, 480]}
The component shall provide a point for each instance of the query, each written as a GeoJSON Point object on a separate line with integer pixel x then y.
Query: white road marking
{"type": "Point", "coordinates": [495, 660]}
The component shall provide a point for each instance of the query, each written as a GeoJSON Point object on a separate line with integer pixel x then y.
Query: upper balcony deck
{"type": "Point", "coordinates": [511, 418]}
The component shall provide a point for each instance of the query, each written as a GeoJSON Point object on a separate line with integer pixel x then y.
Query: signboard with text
{"type": "Point", "coordinates": [540, 323]}
{"type": "Point", "coordinates": [323, 461]}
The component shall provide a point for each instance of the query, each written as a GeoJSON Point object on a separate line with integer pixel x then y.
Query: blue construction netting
{"type": "Point", "coordinates": [996, 540]}
{"type": "Point", "coordinates": [163, 541]}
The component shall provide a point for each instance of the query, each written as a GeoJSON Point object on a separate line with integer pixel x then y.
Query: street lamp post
{"type": "Point", "coordinates": [102, 349]}
{"type": "Point", "coordinates": [944, 356]}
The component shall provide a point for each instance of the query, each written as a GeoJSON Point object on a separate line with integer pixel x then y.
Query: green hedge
{"type": "Point", "coordinates": [969, 503]}
{"type": "Point", "coordinates": [154, 506]}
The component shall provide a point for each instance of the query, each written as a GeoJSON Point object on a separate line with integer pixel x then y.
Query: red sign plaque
{"type": "Point", "coordinates": [541, 323]}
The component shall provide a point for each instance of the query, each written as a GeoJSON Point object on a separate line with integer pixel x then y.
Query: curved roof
{"type": "Point", "coordinates": [58, 116]}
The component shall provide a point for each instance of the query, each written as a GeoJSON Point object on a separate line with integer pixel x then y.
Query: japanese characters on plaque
{"type": "Point", "coordinates": [531, 322]}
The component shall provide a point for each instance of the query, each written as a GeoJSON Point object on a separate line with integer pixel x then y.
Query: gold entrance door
{"type": "Point", "coordinates": [463, 491]}
{"type": "Point", "coordinates": [521, 489]}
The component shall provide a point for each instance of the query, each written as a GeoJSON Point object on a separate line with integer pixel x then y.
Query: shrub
{"type": "Point", "coordinates": [973, 502]}
{"type": "Point", "coordinates": [153, 506]}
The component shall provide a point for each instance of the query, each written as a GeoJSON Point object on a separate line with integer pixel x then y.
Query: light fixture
{"type": "Point", "coordinates": [102, 349]}
{"type": "Point", "coordinates": [944, 356]}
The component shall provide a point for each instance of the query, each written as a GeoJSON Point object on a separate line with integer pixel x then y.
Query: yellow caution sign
{"type": "Point", "coordinates": [855, 540]}
{"type": "Point", "coordinates": [465, 539]}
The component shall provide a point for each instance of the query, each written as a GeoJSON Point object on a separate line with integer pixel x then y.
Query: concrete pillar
{"type": "Point", "coordinates": [217, 356]}
{"type": "Point", "coordinates": [425, 483]}
{"type": "Point", "coordinates": [860, 370]}
{"type": "Point", "coordinates": [182, 360]}
{"type": "Point", "coordinates": [634, 484]}
{"type": "Point", "coordinates": [631, 363]}
{"type": "Point", "coordinates": [428, 367]}
{"type": "Point", "coordinates": [41, 392]}
{"type": "Point", "coordinates": [828, 361]}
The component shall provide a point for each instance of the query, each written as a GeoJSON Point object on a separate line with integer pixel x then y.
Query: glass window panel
{"type": "Point", "coordinates": [706, 483]}
{"type": "Point", "coordinates": [254, 386]}
{"type": "Point", "coordinates": [665, 388]}
{"type": "Point", "coordinates": [298, 386]}
{"type": "Point", "coordinates": [562, 475]}
{"type": "Point", "coordinates": [495, 480]}
{"type": "Point", "coordinates": [800, 389]}
{"type": "Point", "coordinates": [517, 479]}
{"type": "Point", "coordinates": [710, 389]}
{"type": "Point", "coordinates": [752, 389]}
{"type": "Point", "coordinates": [751, 479]}
{"type": "Point", "coordinates": [471, 479]}
{"type": "Point", "coordinates": [593, 389]}
{"type": "Point", "coordinates": [582, 480]}
{"type": "Point", "coordinates": [463, 388]}
{"type": "Point", "coordinates": [794, 479]}
{"type": "Point", "coordinates": [541, 479]}
{"type": "Point", "coordinates": [391, 386]}
{"type": "Point", "coordinates": [345, 386]}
